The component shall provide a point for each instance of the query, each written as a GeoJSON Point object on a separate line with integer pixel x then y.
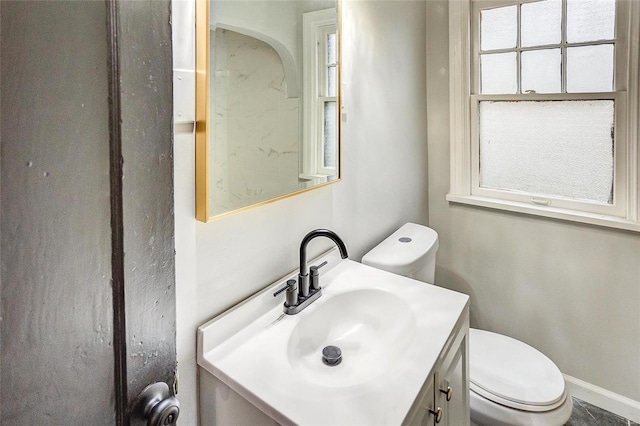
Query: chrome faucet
{"type": "Point", "coordinates": [308, 285]}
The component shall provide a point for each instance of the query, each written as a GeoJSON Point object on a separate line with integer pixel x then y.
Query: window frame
{"type": "Point", "coordinates": [316, 26]}
{"type": "Point", "coordinates": [323, 94]}
{"type": "Point", "coordinates": [464, 83]}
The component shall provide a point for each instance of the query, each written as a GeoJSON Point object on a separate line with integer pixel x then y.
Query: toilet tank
{"type": "Point", "coordinates": [410, 251]}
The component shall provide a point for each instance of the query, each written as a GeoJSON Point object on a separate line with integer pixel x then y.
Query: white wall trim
{"type": "Point", "coordinates": [546, 211]}
{"type": "Point", "coordinates": [464, 154]}
{"type": "Point", "coordinates": [607, 400]}
{"type": "Point", "coordinates": [459, 91]}
{"type": "Point", "coordinates": [184, 98]}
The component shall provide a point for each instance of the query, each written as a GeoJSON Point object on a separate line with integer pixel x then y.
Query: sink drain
{"type": "Point", "coordinates": [331, 355]}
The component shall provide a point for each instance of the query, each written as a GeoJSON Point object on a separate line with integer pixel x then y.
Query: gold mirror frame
{"type": "Point", "coordinates": [204, 126]}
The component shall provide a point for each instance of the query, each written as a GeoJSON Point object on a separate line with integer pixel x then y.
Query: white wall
{"type": "Point", "coordinates": [570, 290]}
{"type": "Point", "coordinates": [384, 178]}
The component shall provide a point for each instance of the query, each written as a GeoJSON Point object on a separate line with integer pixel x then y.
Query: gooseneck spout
{"type": "Point", "coordinates": [308, 287]}
{"type": "Point", "coordinates": [303, 276]}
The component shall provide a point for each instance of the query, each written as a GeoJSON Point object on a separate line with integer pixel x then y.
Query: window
{"type": "Point", "coordinates": [320, 76]}
{"type": "Point", "coordinates": [544, 108]}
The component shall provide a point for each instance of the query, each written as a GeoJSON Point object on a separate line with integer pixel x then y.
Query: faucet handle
{"type": "Point", "coordinates": [291, 297]}
{"type": "Point", "coordinates": [314, 277]}
{"type": "Point", "coordinates": [314, 269]}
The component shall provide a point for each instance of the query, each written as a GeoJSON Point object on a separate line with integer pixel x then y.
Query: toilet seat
{"type": "Point", "coordinates": [488, 413]}
{"type": "Point", "coordinates": [513, 374]}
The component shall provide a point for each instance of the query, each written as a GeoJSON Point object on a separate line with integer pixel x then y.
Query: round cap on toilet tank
{"type": "Point", "coordinates": [404, 251]}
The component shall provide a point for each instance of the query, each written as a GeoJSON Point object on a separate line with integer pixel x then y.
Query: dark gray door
{"type": "Point", "coordinates": [86, 193]}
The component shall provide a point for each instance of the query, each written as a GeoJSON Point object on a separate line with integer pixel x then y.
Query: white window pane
{"type": "Point", "coordinates": [499, 73]}
{"type": "Point", "coordinates": [590, 20]}
{"type": "Point", "coordinates": [590, 68]}
{"type": "Point", "coordinates": [332, 48]}
{"type": "Point", "coordinates": [541, 23]}
{"type": "Point", "coordinates": [555, 148]}
{"type": "Point", "coordinates": [332, 81]}
{"type": "Point", "coordinates": [330, 134]}
{"type": "Point", "coordinates": [499, 28]}
{"type": "Point", "coordinates": [541, 71]}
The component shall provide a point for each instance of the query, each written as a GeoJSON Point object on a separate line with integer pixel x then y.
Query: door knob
{"type": "Point", "coordinates": [156, 405]}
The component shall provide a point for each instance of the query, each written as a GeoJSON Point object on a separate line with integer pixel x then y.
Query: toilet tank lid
{"type": "Point", "coordinates": [404, 251]}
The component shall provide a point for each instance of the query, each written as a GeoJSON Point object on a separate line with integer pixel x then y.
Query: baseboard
{"type": "Point", "coordinates": [607, 400]}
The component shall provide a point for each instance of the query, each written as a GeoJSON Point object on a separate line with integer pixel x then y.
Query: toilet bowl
{"type": "Point", "coordinates": [511, 383]}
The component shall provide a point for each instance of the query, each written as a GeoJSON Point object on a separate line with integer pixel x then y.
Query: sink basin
{"type": "Point", "coordinates": [371, 327]}
{"type": "Point", "coordinates": [390, 330]}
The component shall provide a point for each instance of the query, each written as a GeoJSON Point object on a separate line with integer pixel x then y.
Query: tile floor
{"type": "Point", "coordinates": [585, 414]}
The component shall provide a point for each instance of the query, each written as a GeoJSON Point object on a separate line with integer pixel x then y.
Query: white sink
{"type": "Point", "coordinates": [390, 330]}
{"type": "Point", "coordinates": [371, 327]}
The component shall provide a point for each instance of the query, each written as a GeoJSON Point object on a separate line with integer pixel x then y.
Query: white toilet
{"type": "Point", "coordinates": [512, 384]}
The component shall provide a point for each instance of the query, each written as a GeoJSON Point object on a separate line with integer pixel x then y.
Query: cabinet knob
{"type": "Point", "coordinates": [437, 413]}
{"type": "Point", "coordinates": [448, 391]}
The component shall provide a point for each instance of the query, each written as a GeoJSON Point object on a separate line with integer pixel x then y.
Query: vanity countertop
{"type": "Point", "coordinates": [265, 355]}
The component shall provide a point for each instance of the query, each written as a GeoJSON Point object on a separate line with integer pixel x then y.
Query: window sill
{"type": "Point", "coordinates": [550, 212]}
{"type": "Point", "coordinates": [315, 178]}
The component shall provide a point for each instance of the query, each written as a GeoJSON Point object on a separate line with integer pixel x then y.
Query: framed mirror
{"type": "Point", "coordinates": [267, 101]}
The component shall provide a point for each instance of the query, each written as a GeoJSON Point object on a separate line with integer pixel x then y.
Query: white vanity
{"type": "Point", "coordinates": [403, 345]}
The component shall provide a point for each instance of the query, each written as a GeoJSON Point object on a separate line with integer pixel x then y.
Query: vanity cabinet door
{"type": "Point", "coordinates": [452, 392]}
{"type": "Point", "coordinates": [444, 398]}
{"type": "Point", "coordinates": [421, 414]}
